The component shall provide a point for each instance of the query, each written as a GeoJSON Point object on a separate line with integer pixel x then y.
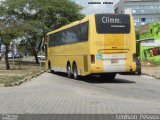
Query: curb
{"type": "Point", "coordinates": [22, 81]}
{"type": "Point", "coordinates": [33, 76]}
{"type": "Point", "coordinates": [151, 75]}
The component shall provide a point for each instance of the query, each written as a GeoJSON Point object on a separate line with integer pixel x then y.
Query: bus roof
{"type": "Point", "coordinates": [75, 23]}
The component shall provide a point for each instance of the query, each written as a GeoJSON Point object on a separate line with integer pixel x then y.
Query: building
{"type": "Point", "coordinates": [148, 46]}
{"type": "Point", "coordinates": [143, 11]}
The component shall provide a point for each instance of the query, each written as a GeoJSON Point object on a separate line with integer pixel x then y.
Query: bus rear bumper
{"type": "Point", "coordinates": [123, 70]}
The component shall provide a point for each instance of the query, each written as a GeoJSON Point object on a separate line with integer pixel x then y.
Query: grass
{"type": "Point", "coordinates": [18, 71]}
{"type": "Point", "coordinates": [10, 79]}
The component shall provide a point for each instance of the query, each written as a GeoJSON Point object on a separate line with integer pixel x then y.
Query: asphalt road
{"type": "Point", "coordinates": [54, 93]}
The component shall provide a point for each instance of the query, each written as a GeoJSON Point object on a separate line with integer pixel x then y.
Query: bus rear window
{"type": "Point", "coordinates": [112, 24]}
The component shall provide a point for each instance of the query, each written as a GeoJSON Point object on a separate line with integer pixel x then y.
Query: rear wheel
{"type": "Point", "coordinates": [49, 67]}
{"type": "Point", "coordinates": [69, 73]}
{"type": "Point", "coordinates": [108, 76]}
{"type": "Point", "coordinates": [75, 72]}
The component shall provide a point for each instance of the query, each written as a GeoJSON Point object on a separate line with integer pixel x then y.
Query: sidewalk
{"type": "Point", "coordinates": [151, 70]}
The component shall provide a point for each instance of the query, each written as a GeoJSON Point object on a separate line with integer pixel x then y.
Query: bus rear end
{"type": "Point", "coordinates": [114, 45]}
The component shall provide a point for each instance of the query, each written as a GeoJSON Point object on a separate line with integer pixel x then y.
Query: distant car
{"type": "Point", "coordinates": [41, 57]}
{"type": "Point", "coordinates": [18, 55]}
{"type": "Point", "coordinates": [10, 55]}
{"type": "Point", "coordinates": [138, 66]}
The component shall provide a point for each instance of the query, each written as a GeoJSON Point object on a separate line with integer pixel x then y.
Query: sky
{"type": "Point", "coordinates": [97, 8]}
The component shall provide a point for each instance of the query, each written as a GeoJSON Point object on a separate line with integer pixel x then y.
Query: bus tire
{"type": "Point", "coordinates": [69, 72]}
{"type": "Point", "coordinates": [49, 67]}
{"type": "Point", "coordinates": [75, 72]}
{"type": "Point", "coordinates": [108, 76]}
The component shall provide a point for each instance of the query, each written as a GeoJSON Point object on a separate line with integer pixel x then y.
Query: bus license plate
{"type": "Point", "coordinates": [114, 61]}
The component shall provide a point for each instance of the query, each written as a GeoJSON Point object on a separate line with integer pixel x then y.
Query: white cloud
{"type": "Point", "coordinates": [97, 8]}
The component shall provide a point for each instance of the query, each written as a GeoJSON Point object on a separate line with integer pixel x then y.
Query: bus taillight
{"type": "Point", "coordinates": [92, 59]}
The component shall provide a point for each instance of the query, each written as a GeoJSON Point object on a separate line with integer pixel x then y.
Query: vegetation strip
{"type": "Point", "coordinates": [22, 81]}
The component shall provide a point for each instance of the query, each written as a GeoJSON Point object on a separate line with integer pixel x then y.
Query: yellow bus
{"type": "Point", "coordinates": [102, 44]}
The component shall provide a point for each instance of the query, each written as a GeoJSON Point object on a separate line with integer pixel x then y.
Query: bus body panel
{"type": "Point", "coordinates": [66, 54]}
{"type": "Point", "coordinates": [59, 56]}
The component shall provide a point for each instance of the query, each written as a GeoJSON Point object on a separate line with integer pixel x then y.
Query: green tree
{"type": "Point", "coordinates": [42, 16]}
{"type": "Point", "coordinates": [9, 32]}
{"type": "Point", "coordinates": [10, 29]}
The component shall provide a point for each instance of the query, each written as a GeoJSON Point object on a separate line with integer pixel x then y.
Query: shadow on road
{"type": "Point", "coordinates": [97, 79]}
